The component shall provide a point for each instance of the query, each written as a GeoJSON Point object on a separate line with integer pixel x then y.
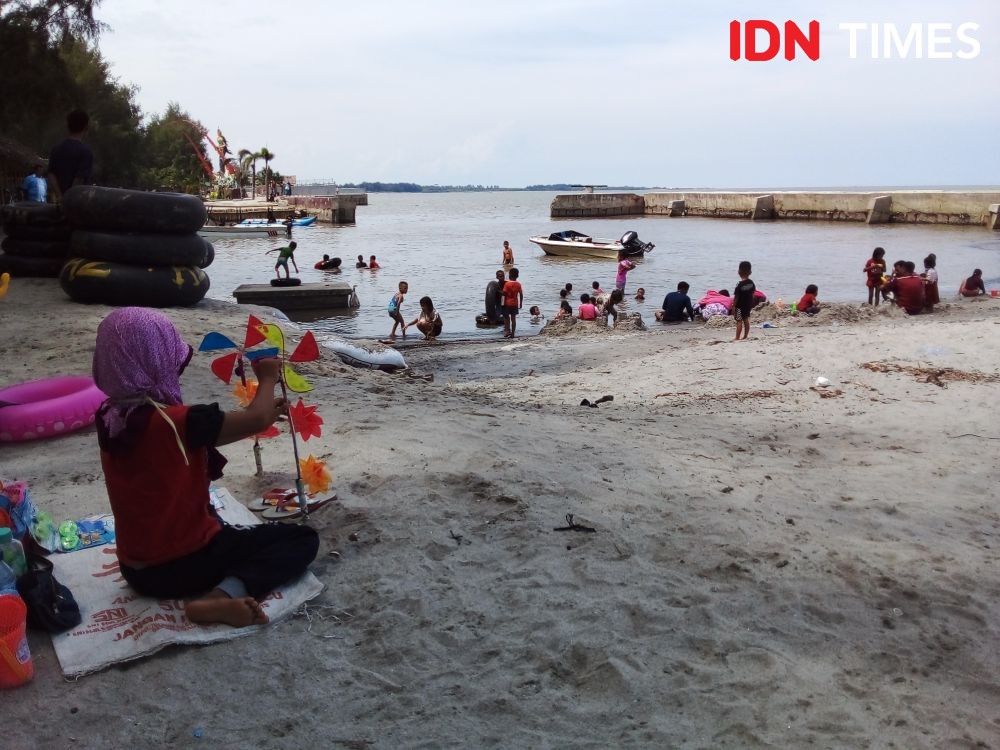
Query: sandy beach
{"type": "Point", "coordinates": [772, 564]}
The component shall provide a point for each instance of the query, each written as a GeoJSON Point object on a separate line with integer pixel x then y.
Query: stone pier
{"type": "Point", "coordinates": [597, 204]}
{"type": "Point", "coordinates": [333, 209]}
{"type": "Point", "coordinates": [955, 207]}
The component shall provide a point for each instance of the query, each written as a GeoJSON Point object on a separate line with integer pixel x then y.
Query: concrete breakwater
{"type": "Point", "coordinates": [975, 207]}
{"type": "Point", "coordinates": [334, 209]}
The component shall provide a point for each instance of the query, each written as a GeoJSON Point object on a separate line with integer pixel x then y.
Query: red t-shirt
{"type": "Point", "coordinates": [511, 292]}
{"type": "Point", "coordinates": [807, 301]}
{"type": "Point", "coordinates": [875, 270]}
{"type": "Point", "coordinates": [588, 312]}
{"type": "Point", "coordinates": [909, 293]}
{"type": "Point", "coordinates": [161, 505]}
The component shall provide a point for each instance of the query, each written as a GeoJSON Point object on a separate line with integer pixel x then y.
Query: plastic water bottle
{"type": "Point", "coordinates": [12, 553]}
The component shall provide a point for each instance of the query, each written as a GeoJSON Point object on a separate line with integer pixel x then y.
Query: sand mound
{"type": "Point", "coordinates": [576, 327]}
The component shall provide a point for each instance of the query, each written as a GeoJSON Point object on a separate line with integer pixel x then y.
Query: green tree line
{"type": "Point", "coordinates": [50, 64]}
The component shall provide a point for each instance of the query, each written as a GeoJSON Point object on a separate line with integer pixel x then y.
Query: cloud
{"type": "Point", "coordinates": [637, 92]}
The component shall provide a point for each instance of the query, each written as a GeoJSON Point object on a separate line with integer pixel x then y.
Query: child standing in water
{"type": "Point", "coordinates": [875, 270]}
{"type": "Point", "coordinates": [159, 455]}
{"type": "Point", "coordinates": [373, 264]}
{"type": "Point", "coordinates": [624, 266]}
{"type": "Point", "coordinates": [395, 303]}
{"type": "Point", "coordinates": [513, 298]}
{"type": "Point", "coordinates": [508, 254]}
{"type": "Point", "coordinates": [743, 301]}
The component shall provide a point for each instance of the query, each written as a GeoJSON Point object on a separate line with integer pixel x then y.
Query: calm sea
{"type": "Point", "coordinates": [447, 246]}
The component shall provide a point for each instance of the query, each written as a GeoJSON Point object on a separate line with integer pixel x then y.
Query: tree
{"type": "Point", "coordinates": [267, 155]}
{"type": "Point", "coordinates": [54, 20]}
{"type": "Point", "coordinates": [170, 161]}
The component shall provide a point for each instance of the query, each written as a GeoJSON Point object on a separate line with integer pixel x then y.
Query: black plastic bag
{"type": "Point", "coordinates": [51, 606]}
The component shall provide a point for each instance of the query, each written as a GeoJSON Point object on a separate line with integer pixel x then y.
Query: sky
{"type": "Point", "coordinates": [521, 92]}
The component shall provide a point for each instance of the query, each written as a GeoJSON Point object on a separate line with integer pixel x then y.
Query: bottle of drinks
{"type": "Point", "coordinates": [12, 553]}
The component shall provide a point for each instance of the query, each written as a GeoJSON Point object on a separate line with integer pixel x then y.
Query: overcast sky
{"type": "Point", "coordinates": [592, 91]}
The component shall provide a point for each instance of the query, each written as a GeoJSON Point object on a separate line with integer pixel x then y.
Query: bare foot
{"type": "Point", "coordinates": [236, 612]}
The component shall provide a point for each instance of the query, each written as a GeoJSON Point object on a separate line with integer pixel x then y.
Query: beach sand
{"type": "Point", "coordinates": [774, 565]}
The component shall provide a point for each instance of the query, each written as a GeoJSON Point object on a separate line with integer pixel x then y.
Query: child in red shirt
{"type": "Point", "coordinates": [158, 456]}
{"type": "Point", "coordinates": [874, 271]}
{"type": "Point", "coordinates": [587, 309]}
{"type": "Point", "coordinates": [808, 303]}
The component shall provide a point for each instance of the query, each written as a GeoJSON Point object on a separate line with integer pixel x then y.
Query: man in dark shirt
{"type": "Point", "coordinates": [71, 161]}
{"type": "Point", "coordinates": [676, 306]}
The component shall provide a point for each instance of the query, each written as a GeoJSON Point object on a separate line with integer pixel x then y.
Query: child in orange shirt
{"type": "Point", "coordinates": [513, 298]}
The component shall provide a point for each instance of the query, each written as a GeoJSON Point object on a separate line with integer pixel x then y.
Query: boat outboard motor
{"type": "Point", "coordinates": [633, 245]}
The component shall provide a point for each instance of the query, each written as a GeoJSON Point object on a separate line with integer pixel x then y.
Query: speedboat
{"type": "Point", "coordinates": [578, 245]}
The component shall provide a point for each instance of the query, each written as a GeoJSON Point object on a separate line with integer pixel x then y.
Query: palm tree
{"type": "Point", "coordinates": [248, 160]}
{"type": "Point", "coordinates": [266, 155]}
{"type": "Point", "coordinates": [244, 159]}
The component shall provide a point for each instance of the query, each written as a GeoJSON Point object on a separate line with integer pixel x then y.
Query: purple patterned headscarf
{"type": "Point", "coordinates": [138, 359]}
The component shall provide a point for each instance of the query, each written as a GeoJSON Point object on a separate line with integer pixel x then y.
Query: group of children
{"type": "Point", "coordinates": [915, 293]}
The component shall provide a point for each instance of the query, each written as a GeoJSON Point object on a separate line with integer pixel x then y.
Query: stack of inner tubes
{"type": "Point", "coordinates": [36, 241]}
{"type": "Point", "coordinates": [130, 247]}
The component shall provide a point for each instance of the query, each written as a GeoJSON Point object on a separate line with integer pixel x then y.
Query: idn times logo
{"type": "Point", "coordinates": [760, 40]}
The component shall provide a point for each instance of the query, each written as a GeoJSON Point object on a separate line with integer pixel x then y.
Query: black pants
{"type": "Point", "coordinates": [263, 557]}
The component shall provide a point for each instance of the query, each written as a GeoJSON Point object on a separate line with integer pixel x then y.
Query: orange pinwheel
{"type": "Point", "coordinates": [305, 420]}
{"type": "Point", "coordinates": [315, 475]}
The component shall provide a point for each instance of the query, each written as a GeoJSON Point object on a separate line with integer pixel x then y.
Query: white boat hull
{"type": "Point", "coordinates": [224, 233]}
{"type": "Point", "coordinates": [595, 249]}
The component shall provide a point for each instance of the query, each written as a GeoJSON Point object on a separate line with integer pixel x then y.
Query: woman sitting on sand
{"type": "Point", "coordinates": [973, 286]}
{"type": "Point", "coordinates": [428, 322]}
{"type": "Point", "coordinates": [715, 303]}
{"type": "Point", "coordinates": [159, 455]}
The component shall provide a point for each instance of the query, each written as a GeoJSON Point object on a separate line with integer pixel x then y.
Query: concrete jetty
{"type": "Point", "coordinates": [333, 209]}
{"type": "Point", "coordinates": [954, 207]}
{"type": "Point", "coordinates": [335, 295]}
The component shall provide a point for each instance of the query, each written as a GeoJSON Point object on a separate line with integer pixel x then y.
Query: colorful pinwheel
{"type": "Point", "coordinates": [302, 419]}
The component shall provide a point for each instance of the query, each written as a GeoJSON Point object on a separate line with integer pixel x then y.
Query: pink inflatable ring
{"type": "Point", "coordinates": [47, 408]}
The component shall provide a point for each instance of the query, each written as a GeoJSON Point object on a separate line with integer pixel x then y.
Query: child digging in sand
{"type": "Point", "coordinates": [159, 455]}
{"type": "Point", "coordinates": [395, 303]}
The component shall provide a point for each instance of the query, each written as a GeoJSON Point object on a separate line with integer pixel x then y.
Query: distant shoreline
{"type": "Point", "coordinates": [558, 188]}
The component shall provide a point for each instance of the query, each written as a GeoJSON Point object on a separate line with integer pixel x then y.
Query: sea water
{"type": "Point", "coordinates": [447, 246]}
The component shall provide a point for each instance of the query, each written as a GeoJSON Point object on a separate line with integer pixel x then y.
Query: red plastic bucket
{"type": "Point", "coordinates": [16, 667]}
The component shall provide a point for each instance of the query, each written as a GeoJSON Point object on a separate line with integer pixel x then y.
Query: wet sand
{"type": "Point", "coordinates": [772, 565]}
